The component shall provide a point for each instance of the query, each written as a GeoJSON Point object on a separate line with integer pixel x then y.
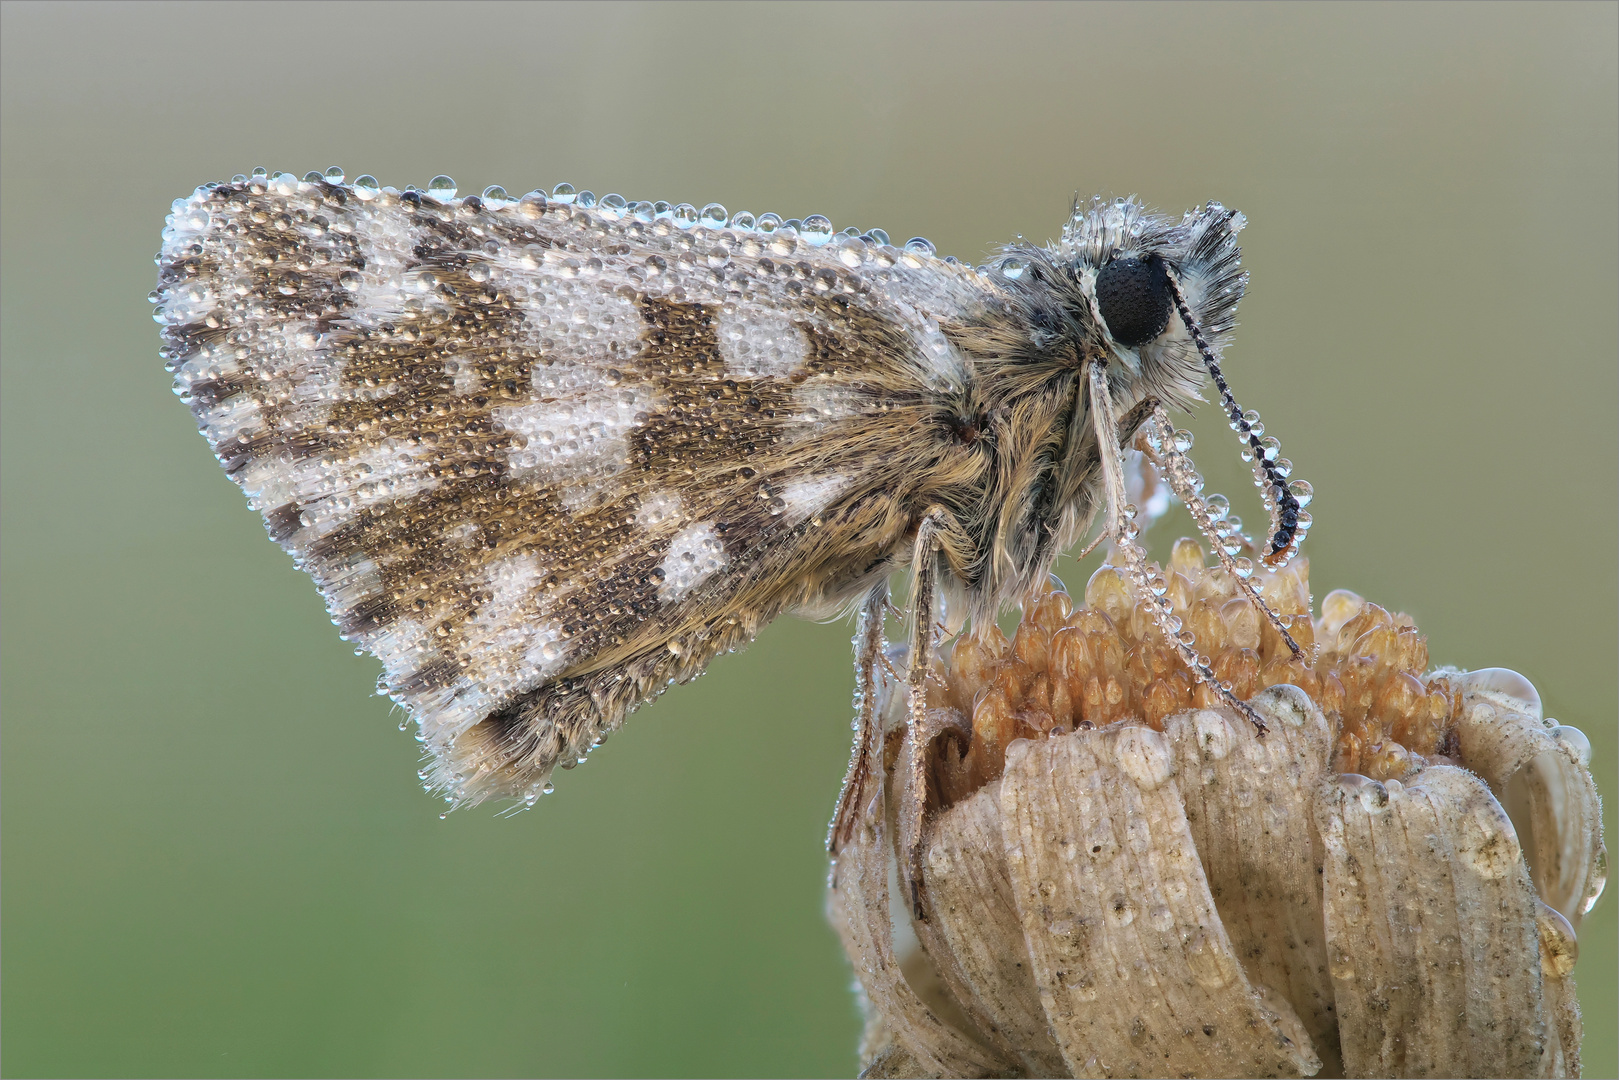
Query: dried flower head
{"type": "Point", "coordinates": [1120, 878]}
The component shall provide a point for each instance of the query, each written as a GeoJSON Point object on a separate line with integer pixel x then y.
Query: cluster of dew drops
{"type": "Point", "coordinates": [815, 230]}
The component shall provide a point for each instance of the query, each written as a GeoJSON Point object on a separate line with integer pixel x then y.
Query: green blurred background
{"type": "Point", "coordinates": [217, 858]}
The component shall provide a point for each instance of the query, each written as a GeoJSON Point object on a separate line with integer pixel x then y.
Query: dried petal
{"type": "Point", "coordinates": [1540, 770]}
{"type": "Point", "coordinates": [971, 900]}
{"type": "Point", "coordinates": [1431, 931]}
{"type": "Point", "coordinates": [1135, 969]}
{"type": "Point", "coordinates": [1248, 802]}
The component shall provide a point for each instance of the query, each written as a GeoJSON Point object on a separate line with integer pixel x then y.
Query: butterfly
{"type": "Point", "coordinates": [545, 457]}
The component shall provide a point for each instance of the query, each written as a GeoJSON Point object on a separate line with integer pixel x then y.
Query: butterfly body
{"type": "Point", "coordinates": [544, 459]}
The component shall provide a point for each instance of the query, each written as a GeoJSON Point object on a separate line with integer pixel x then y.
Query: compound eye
{"type": "Point", "coordinates": [1132, 293]}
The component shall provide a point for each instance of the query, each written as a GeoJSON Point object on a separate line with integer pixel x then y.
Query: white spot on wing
{"type": "Point", "coordinates": [514, 645]}
{"type": "Point", "coordinates": [464, 372]}
{"type": "Point", "coordinates": [695, 555]}
{"type": "Point", "coordinates": [329, 491]}
{"type": "Point", "coordinates": [570, 311]}
{"type": "Point", "coordinates": [941, 363]}
{"type": "Point", "coordinates": [808, 496]}
{"type": "Point", "coordinates": [817, 401]}
{"type": "Point", "coordinates": [659, 507]}
{"type": "Point", "coordinates": [577, 432]}
{"type": "Point", "coordinates": [387, 242]}
{"type": "Point", "coordinates": [756, 342]}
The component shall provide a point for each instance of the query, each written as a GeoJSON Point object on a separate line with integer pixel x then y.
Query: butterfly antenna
{"type": "Point", "coordinates": [1284, 502]}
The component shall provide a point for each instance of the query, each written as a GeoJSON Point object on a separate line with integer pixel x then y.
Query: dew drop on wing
{"type": "Point", "coordinates": [816, 229]}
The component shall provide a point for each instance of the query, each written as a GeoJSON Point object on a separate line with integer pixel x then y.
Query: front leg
{"type": "Point", "coordinates": [923, 618]}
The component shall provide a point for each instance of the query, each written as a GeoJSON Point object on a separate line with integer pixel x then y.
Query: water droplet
{"type": "Point", "coordinates": [613, 206]}
{"type": "Point", "coordinates": [494, 196]}
{"type": "Point", "coordinates": [1121, 912]}
{"type": "Point", "coordinates": [919, 245]}
{"type": "Point", "coordinates": [643, 211]}
{"type": "Point", "coordinates": [284, 183]}
{"type": "Point", "coordinates": [1504, 683]}
{"type": "Point", "coordinates": [768, 223]}
{"type": "Point", "coordinates": [1219, 506]}
{"type": "Point", "coordinates": [1575, 740]}
{"type": "Point", "coordinates": [792, 223]}
{"type": "Point", "coordinates": [563, 193]}
{"type": "Point", "coordinates": [685, 215]}
{"type": "Point", "coordinates": [258, 172]}
{"type": "Point", "coordinates": [334, 175]}
{"type": "Point", "coordinates": [238, 179]}
{"type": "Point", "coordinates": [817, 229]}
{"type": "Point", "coordinates": [742, 220]}
{"type": "Point", "coordinates": [1559, 949]}
{"type": "Point", "coordinates": [1373, 797]}
{"type": "Point", "coordinates": [441, 188]}
{"type": "Point", "coordinates": [661, 209]}
{"type": "Point", "coordinates": [1244, 568]}
{"type": "Point", "coordinates": [1270, 448]}
{"type": "Point", "coordinates": [586, 198]}
{"type": "Point", "coordinates": [1597, 882]}
{"type": "Point", "coordinates": [1301, 491]}
{"type": "Point", "coordinates": [365, 187]}
{"type": "Point", "coordinates": [1183, 440]}
{"type": "Point", "coordinates": [1013, 267]}
{"type": "Point", "coordinates": [313, 176]}
{"type": "Point", "coordinates": [548, 788]}
{"type": "Point", "coordinates": [713, 216]}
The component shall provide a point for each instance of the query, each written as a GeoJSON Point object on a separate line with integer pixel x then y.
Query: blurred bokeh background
{"type": "Point", "coordinates": [217, 858]}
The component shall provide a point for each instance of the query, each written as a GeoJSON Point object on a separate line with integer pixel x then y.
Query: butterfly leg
{"type": "Point", "coordinates": [1121, 528]}
{"type": "Point", "coordinates": [1127, 427]}
{"type": "Point", "coordinates": [923, 617]}
{"type": "Point", "coordinates": [863, 780]}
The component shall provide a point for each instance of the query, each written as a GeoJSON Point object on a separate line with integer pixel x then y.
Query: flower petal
{"type": "Point", "coordinates": [905, 1034]}
{"type": "Point", "coordinates": [1431, 931]}
{"type": "Point", "coordinates": [1541, 772]}
{"type": "Point", "coordinates": [970, 900]}
{"type": "Point", "coordinates": [1558, 951]}
{"type": "Point", "coordinates": [1248, 801]}
{"type": "Point", "coordinates": [1136, 972]}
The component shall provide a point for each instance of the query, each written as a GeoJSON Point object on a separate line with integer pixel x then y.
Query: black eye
{"type": "Point", "coordinates": [1133, 295]}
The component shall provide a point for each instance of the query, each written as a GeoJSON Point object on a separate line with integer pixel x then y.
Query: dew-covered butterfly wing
{"type": "Point", "coordinates": [544, 457]}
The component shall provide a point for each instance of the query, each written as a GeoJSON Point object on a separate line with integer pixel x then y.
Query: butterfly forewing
{"type": "Point", "coordinates": [541, 460]}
